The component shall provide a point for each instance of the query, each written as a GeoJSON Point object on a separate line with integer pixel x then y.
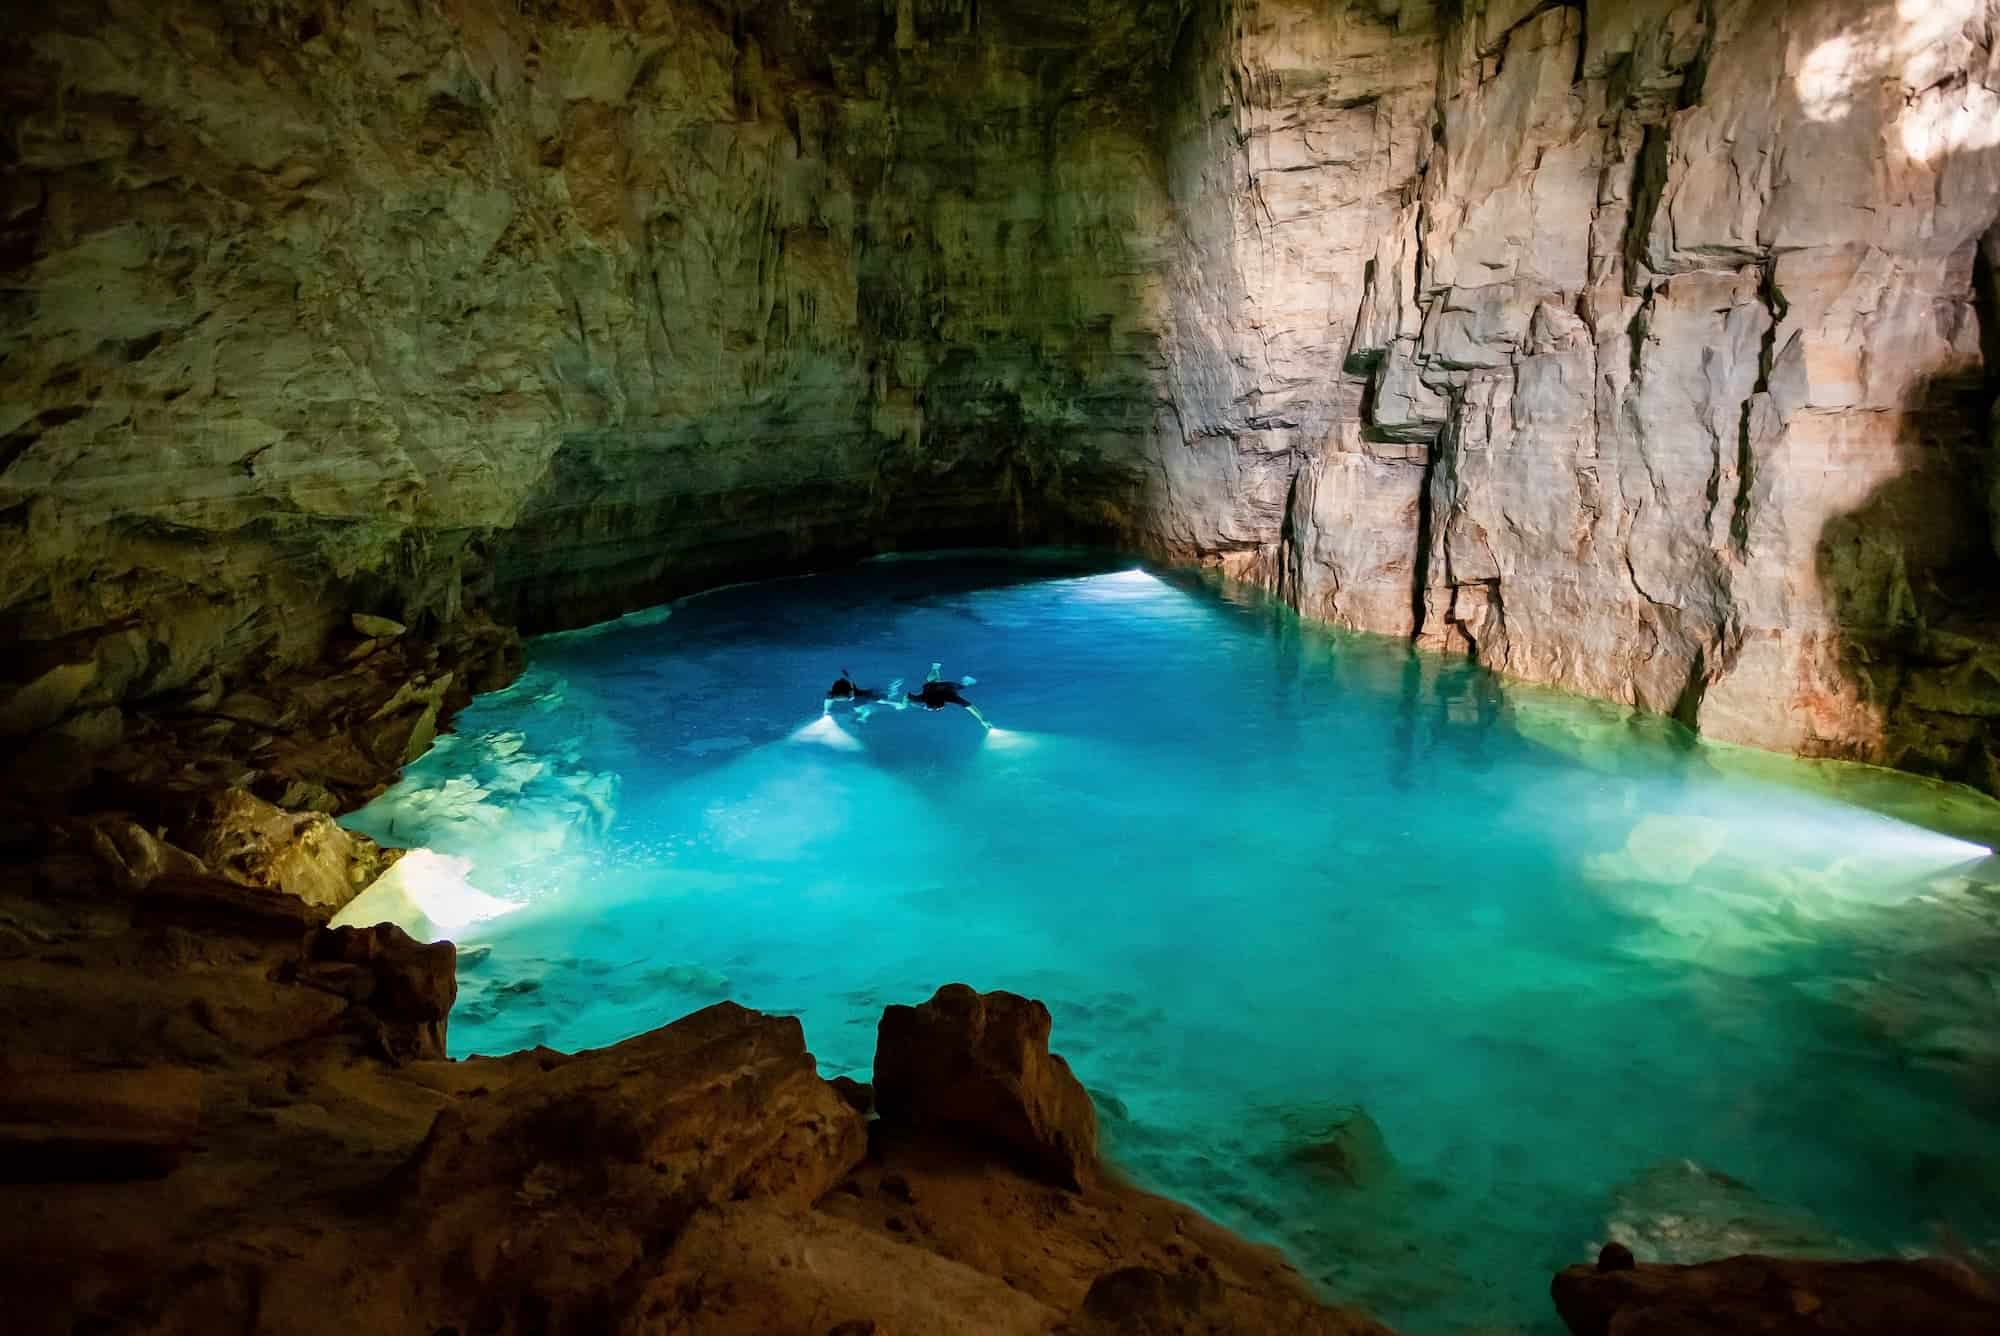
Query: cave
{"type": "Point", "coordinates": [1470, 529]}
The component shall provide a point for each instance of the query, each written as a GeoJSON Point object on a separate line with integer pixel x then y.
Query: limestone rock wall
{"type": "Point", "coordinates": [1647, 360]}
{"type": "Point", "coordinates": [564, 306]}
{"type": "Point", "coordinates": [1630, 345]}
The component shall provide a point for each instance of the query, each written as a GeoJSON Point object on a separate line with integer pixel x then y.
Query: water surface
{"type": "Point", "coordinates": [1583, 974]}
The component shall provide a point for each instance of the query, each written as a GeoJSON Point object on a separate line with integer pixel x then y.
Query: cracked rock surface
{"type": "Point", "coordinates": [1634, 346]}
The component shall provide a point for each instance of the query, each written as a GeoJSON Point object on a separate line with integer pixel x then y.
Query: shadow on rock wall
{"type": "Point", "coordinates": [1913, 585]}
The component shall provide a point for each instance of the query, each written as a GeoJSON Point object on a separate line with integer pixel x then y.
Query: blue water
{"type": "Point", "coordinates": [1572, 965]}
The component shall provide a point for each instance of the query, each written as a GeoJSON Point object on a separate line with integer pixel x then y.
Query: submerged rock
{"type": "Point", "coordinates": [1682, 1212]}
{"type": "Point", "coordinates": [1345, 1146]}
{"type": "Point", "coordinates": [979, 1064]}
{"type": "Point", "coordinates": [1764, 1296]}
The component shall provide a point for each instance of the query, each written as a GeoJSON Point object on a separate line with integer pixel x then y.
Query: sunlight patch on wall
{"type": "Point", "coordinates": [1926, 45]}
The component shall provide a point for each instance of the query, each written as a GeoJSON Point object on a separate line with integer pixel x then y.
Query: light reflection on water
{"type": "Point", "coordinates": [1261, 873]}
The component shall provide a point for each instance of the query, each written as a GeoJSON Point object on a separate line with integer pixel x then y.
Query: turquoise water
{"type": "Point", "coordinates": [1582, 974]}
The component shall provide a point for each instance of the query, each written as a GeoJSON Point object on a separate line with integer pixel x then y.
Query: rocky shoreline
{"type": "Point", "coordinates": [220, 1113]}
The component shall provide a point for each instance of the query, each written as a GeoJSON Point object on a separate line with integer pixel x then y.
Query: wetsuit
{"type": "Point", "coordinates": [937, 695]}
{"type": "Point", "coordinates": [845, 689]}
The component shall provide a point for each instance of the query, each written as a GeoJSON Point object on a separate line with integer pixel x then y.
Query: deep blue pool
{"type": "Point", "coordinates": [1583, 974]}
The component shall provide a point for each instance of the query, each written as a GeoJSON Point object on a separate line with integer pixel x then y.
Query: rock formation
{"type": "Point", "coordinates": [1773, 1298]}
{"type": "Point", "coordinates": [204, 1130]}
{"type": "Point", "coordinates": [979, 1066]}
{"type": "Point", "coordinates": [1642, 347]}
{"type": "Point", "coordinates": [1631, 345]}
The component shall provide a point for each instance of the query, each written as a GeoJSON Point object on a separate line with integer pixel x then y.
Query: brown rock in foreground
{"type": "Point", "coordinates": [978, 1065]}
{"type": "Point", "coordinates": [721, 1105]}
{"type": "Point", "coordinates": [1768, 1296]}
{"type": "Point", "coordinates": [245, 1145]}
{"type": "Point", "coordinates": [409, 985]}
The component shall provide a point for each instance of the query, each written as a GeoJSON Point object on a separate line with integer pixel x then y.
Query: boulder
{"type": "Point", "coordinates": [409, 985]}
{"type": "Point", "coordinates": [1347, 1147]}
{"type": "Point", "coordinates": [1680, 1211]}
{"type": "Point", "coordinates": [978, 1065]}
{"type": "Point", "coordinates": [1768, 1296]}
{"type": "Point", "coordinates": [722, 1105]}
{"type": "Point", "coordinates": [403, 727]}
{"type": "Point", "coordinates": [238, 835]}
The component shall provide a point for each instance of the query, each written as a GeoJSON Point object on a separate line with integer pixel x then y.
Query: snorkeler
{"type": "Point", "coordinates": [862, 698]}
{"type": "Point", "coordinates": [845, 689]}
{"type": "Point", "coordinates": [938, 693]}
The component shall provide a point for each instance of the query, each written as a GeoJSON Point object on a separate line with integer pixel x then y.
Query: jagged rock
{"type": "Point", "coordinates": [370, 627]}
{"type": "Point", "coordinates": [978, 1064]}
{"type": "Point", "coordinates": [238, 835]}
{"type": "Point", "coordinates": [752, 1268]}
{"type": "Point", "coordinates": [222, 905]}
{"type": "Point", "coordinates": [1493, 323]}
{"type": "Point", "coordinates": [403, 727]}
{"type": "Point", "coordinates": [721, 1104]}
{"type": "Point", "coordinates": [135, 856]}
{"type": "Point", "coordinates": [258, 710]}
{"type": "Point", "coordinates": [965, 1205]}
{"type": "Point", "coordinates": [859, 1095]}
{"type": "Point", "coordinates": [1763, 1296]}
{"type": "Point", "coordinates": [409, 985]}
{"type": "Point", "coordinates": [1348, 1147]}
{"type": "Point", "coordinates": [1682, 1212]}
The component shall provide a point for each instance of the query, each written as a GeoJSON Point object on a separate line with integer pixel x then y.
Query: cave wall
{"type": "Point", "coordinates": [1632, 346]}
{"type": "Point", "coordinates": [1649, 363]}
{"type": "Point", "coordinates": [561, 307]}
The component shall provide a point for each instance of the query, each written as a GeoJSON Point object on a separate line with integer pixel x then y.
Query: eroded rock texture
{"type": "Point", "coordinates": [1774, 1297]}
{"type": "Point", "coordinates": [1630, 345]}
{"type": "Point", "coordinates": [588, 302]}
{"type": "Point", "coordinates": [202, 1128]}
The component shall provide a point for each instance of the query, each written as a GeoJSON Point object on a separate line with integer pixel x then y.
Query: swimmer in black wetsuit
{"type": "Point", "coordinates": [844, 689]}
{"type": "Point", "coordinates": [938, 693]}
{"type": "Point", "coordinates": [861, 698]}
